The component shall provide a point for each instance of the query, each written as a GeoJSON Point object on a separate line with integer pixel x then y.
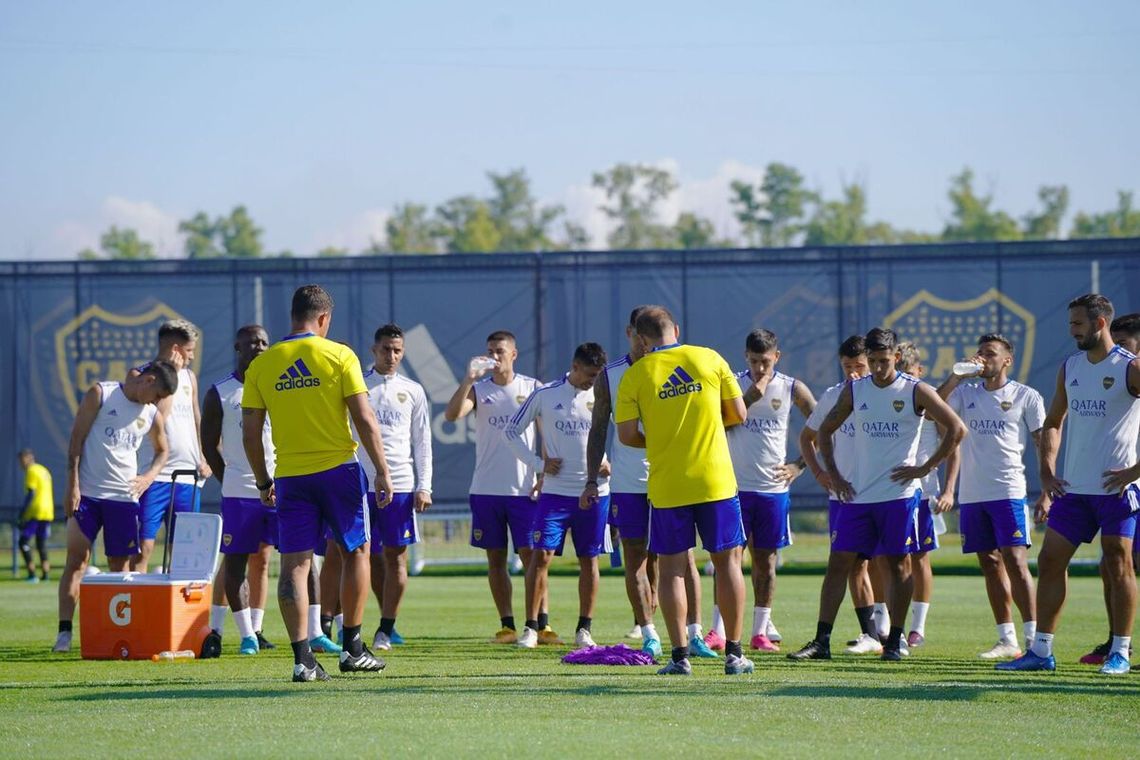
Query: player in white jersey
{"type": "Point", "coordinates": [501, 486]}
{"type": "Point", "coordinates": [853, 365]}
{"type": "Point", "coordinates": [880, 504]}
{"type": "Point", "coordinates": [402, 410]}
{"type": "Point", "coordinates": [1098, 390]}
{"type": "Point", "coordinates": [177, 342]}
{"type": "Point", "coordinates": [1001, 414]}
{"type": "Point", "coordinates": [103, 479]}
{"type": "Point", "coordinates": [566, 409]}
{"type": "Point", "coordinates": [249, 528]}
{"type": "Point", "coordinates": [759, 450]}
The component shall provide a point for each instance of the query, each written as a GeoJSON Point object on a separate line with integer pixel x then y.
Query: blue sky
{"type": "Point", "coordinates": [320, 120]}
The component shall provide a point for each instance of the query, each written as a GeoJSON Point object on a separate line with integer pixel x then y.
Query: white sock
{"type": "Point", "coordinates": [339, 620]}
{"type": "Point", "coordinates": [718, 621]}
{"type": "Point", "coordinates": [1120, 645]}
{"type": "Point", "coordinates": [315, 621]}
{"type": "Point", "coordinates": [244, 625]}
{"type": "Point", "coordinates": [760, 618]}
{"type": "Point", "coordinates": [695, 631]}
{"type": "Point", "coordinates": [638, 630]}
{"type": "Point", "coordinates": [256, 617]}
{"type": "Point", "coordinates": [1007, 632]}
{"type": "Point", "coordinates": [648, 631]}
{"type": "Point", "coordinates": [918, 612]}
{"type": "Point", "coordinates": [1042, 644]}
{"type": "Point", "coordinates": [882, 619]}
{"type": "Point", "coordinates": [1029, 629]}
{"type": "Point", "coordinates": [218, 617]}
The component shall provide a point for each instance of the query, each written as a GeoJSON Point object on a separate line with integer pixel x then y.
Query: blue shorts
{"type": "Point", "coordinates": [674, 529]}
{"type": "Point", "coordinates": [1078, 516]}
{"type": "Point", "coordinates": [927, 538]}
{"type": "Point", "coordinates": [988, 525]}
{"type": "Point", "coordinates": [629, 513]}
{"type": "Point", "coordinates": [246, 525]}
{"type": "Point", "coordinates": [156, 500]}
{"type": "Point", "coordinates": [766, 521]}
{"type": "Point", "coordinates": [491, 516]}
{"type": "Point", "coordinates": [332, 499]}
{"type": "Point", "coordinates": [883, 527]}
{"type": "Point", "coordinates": [395, 524]}
{"type": "Point", "coordinates": [558, 514]}
{"type": "Point", "coordinates": [119, 521]}
{"type": "Point", "coordinates": [35, 529]}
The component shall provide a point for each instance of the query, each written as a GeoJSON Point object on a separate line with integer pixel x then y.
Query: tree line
{"type": "Point", "coordinates": [779, 211]}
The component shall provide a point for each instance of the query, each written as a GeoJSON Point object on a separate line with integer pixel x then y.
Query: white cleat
{"type": "Point", "coordinates": [583, 639]}
{"type": "Point", "coordinates": [865, 645]}
{"type": "Point", "coordinates": [382, 642]}
{"type": "Point", "coordinates": [62, 643]}
{"type": "Point", "coordinates": [528, 639]}
{"type": "Point", "coordinates": [1001, 651]}
{"type": "Point", "coordinates": [904, 650]}
{"type": "Point", "coordinates": [772, 634]}
{"type": "Point", "coordinates": [634, 633]}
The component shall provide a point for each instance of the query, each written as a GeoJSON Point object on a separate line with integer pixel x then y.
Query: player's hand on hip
{"type": "Point", "coordinates": [1115, 481]}
{"type": "Point", "coordinates": [422, 501]}
{"type": "Point", "coordinates": [552, 465]}
{"type": "Point", "coordinates": [589, 496]}
{"type": "Point", "coordinates": [904, 473]}
{"type": "Point", "coordinates": [1053, 486]}
{"type": "Point", "coordinates": [788, 472]}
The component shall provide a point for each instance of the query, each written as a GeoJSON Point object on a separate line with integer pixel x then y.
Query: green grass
{"type": "Point", "coordinates": [449, 694]}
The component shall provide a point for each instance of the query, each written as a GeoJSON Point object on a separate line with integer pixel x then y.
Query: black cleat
{"type": "Point", "coordinates": [263, 642]}
{"type": "Point", "coordinates": [892, 655]}
{"type": "Point", "coordinates": [305, 674]}
{"type": "Point", "coordinates": [813, 650]}
{"type": "Point", "coordinates": [365, 662]}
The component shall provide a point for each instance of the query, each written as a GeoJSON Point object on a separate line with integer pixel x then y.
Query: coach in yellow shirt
{"type": "Point", "coordinates": [310, 386]}
{"type": "Point", "coordinates": [39, 511]}
{"type": "Point", "coordinates": [684, 397]}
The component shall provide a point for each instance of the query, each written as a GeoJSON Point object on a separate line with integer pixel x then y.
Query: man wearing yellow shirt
{"type": "Point", "coordinates": [309, 386]}
{"type": "Point", "coordinates": [39, 511]}
{"type": "Point", "coordinates": [684, 397]}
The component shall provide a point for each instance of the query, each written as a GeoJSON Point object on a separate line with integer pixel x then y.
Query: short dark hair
{"type": "Point", "coordinates": [761, 341]}
{"type": "Point", "coordinates": [637, 312]}
{"type": "Point", "coordinates": [881, 339]}
{"type": "Point", "coordinates": [853, 347]}
{"type": "Point", "coordinates": [1095, 305]}
{"type": "Point", "coordinates": [1128, 323]}
{"type": "Point", "coordinates": [249, 330]}
{"type": "Point", "coordinates": [165, 376]}
{"type": "Point", "coordinates": [652, 322]}
{"type": "Point", "coordinates": [390, 330]}
{"type": "Point", "coordinates": [26, 453]}
{"type": "Point", "coordinates": [498, 335]}
{"type": "Point", "coordinates": [996, 338]}
{"type": "Point", "coordinates": [309, 302]}
{"type": "Point", "coordinates": [590, 354]}
{"type": "Point", "coordinates": [178, 331]}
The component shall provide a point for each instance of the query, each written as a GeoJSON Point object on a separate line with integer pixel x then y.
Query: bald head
{"type": "Point", "coordinates": [655, 323]}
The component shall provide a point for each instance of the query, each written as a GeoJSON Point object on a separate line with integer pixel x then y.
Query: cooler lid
{"type": "Point", "coordinates": [197, 539]}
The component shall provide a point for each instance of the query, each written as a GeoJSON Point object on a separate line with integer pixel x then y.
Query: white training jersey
{"type": "Point", "coordinates": [887, 431]}
{"type": "Point", "coordinates": [181, 432]}
{"type": "Point", "coordinates": [238, 481]}
{"type": "Point", "coordinates": [928, 440]}
{"type": "Point", "coordinates": [843, 442]}
{"type": "Point", "coordinates": [1103, 420]}
{"type": "Point", "coordinates": [566, 414]}
{"type": "Point", "coordinates": [498, 472]}
{"type": "Point", "coordinates": [110, 459]}
{"type": "Point", "coordinates": [401, 408]}
{"type": "Point", "coordinates": [992, 454]}
{"type": "Point", "coordinates": [760, 444]}
{"type": "Point", "coordinates": [629, 469]}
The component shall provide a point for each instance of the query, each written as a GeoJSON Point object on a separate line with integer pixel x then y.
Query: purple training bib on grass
{"type": "Point", "coordinates": [619, 654]}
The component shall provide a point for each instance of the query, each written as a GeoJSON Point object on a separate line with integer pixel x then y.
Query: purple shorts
{"type": "Point", "coordinates": [1078, 516]}
{"type": "Point", "coordinates": [766, 521]}
{"type": "Point", "coordinates": [988, 525]}
{"type": "Point", "coordinates": [119, 521]}
{"type": "Point", "coordinates": [395, 524]}
{"type": "Point", "coordinates": [39, 530]}
{"type": "Point", "coordinates": [927, 538]}
{"type": "Point", "coordinates": [333, 499]}
{"type": "Point", "coordinates": [246, 525]}
{"type": "Point", "coordinates": [883, 527]}
{"type": "Point", "coordinates": [156, 500]}
{"type": "Point", "coordinates": [558, 514]}
{"type": "Point", "coordinates": [674, 530]}
{"type": "Point", "coordinates": [492, 515]}
{"type": "Point", "coordinates": [629, 513]}
{"type": "Point", "coordinates": [323, 543]}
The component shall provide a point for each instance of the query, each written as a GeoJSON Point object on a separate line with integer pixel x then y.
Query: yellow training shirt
{"type": "Point", "coordinates": [42, 507]}
{"type": "Point", "coordinates": [676, 392]}
{"type": "Point", "coordinates": [303, 381]}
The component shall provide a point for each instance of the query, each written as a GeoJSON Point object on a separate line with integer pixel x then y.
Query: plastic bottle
{"type": "Point", "coordinates": [169, 656]}
{"type": "Point", "coordinates": [480, 363]}
{"type": "Point", "coordinates": [967, 369]}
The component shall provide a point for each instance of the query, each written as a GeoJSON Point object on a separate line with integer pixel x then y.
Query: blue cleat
{"type": "Point", "coordinates": [1116, 665]}
{"type": "Point", "coordinates": [324, 644]}
{"type": "Point", "coordinates": [698, 648]}
{"type": "Point", "coordinates": [652, 647]}
{"type": "Point", "coordinates": [249, 645]}
{"type": "Point", "coordinates": [1029, 661]}
{"type": "Point", "coordinates": [396, 638]}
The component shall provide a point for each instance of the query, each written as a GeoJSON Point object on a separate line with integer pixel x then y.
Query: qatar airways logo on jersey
{"type": "Point", "coordinates": [766, 425]}
{"type": "Point", "coordinates": [847, 429]}
{"type": "Point", "coordinates": [573, 428]}
{"type": "Point", "coordinates": [881, 429]}
{"type": "Point", "coordinates": [498, 421]}
{"type": "Point", "coordinates": [122, 437]}
{"type": "Point", "coordinates": [987, 427]}
{"type": "Point", "coordinates": [389, 418]}
{"type": "Point", "coordinates": [1089, 407]}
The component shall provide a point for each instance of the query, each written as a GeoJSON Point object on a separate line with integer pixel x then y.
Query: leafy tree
{"type": "Point", "coordinates": [120, 244]}
{"type": "Point", "coordinates": [771, 214]}
{"type": "Point", "coordinates": [694, 231]}
{"type": "Point", "coordinates": [972, 217]}
{"type": "Point", "coordinates": [240, 237]}
{"type": "Point", "coordinates": [522, 224]}
{"type": "Point", "coordinates": [332, 252]}
{"type": "Point", "coordinates": [1123, 221]}
{"type": "Point", "coordinates": [1046, 223]}
{"type": "Point", "coordinates": [634, 192]}
{"type": "Point", "coordinates": [748, 210]}
{"type": "Point", "coordinates": [409, 230]}
{"type": "Point", "coordinates": [575, 237]}
{"type": "Point", "coordinates": [201, 234]}
{"type": "Point", "coordinates": [842, 222]}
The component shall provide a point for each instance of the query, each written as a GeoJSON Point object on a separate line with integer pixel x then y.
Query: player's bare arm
{"type": "Point", "coordinates": [252, 422]}
{"type": "Point", "coordinates": [1115, 481]}
{"type": "Point", "coordinates": [205, 469]}
{"type": "Point", "coordinates": [157, 434]}
{"type": "Point", "coordinates": [364, 419]}
{"type": "Point", "coordinates": [839, 413]}
{"type": "Point", "coordinates": [1050, 442]}
{"type": "Point", "coordinates": [596, 444]}
{"type": "Point", "coordinates": [805, 402]}
{"type": "Point", "coordinates": [84, 419]}
{"type": "Point", "coordinates": [756, 391]}
{"type": "Point", "coordinates": [1041, 507]}
{"type": "Point", "coordinates": [808, 454]}
{"type": "Point", "coordinates": [733, 411]}
{"type": "Point", "coordinates": [463, 400]}
{"type": "Point", "coordinates": [211, 429]}
{"type": "Point", "coordinates": [952, 429]}
{"type": "Point", "coordinates": [944, 502]}
{"type": "Point", "coordinates": [629, 433]}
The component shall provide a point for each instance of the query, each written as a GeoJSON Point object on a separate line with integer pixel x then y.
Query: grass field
{"type": "Point", "coordinates": [448, 694]}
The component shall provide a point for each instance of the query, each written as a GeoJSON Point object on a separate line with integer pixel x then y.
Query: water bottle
{"type": "Point", "coordinates": [169, 656]}
{"type": "Point", "coordinates": [481, 363]}
{"type": "Point", "coordinates": [967, 369]}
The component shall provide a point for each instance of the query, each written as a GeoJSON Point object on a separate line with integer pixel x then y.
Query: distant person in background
{"type": "Point", "coordinates": [39, 511]}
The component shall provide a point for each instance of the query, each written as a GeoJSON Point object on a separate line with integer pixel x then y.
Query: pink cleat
{"type": "Point", "coordinates": [714, 641]}
{"type": "Point", "coordinates": [915, 640]}
{"type": "Point", "coordinates": [762, 643]}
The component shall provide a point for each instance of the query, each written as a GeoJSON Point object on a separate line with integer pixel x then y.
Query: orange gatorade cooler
{"type": "Point", "coordinates": [132, 616]}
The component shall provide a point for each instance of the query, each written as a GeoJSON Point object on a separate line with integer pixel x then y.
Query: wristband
{"type": "Point", "coordinates": [265, 486]}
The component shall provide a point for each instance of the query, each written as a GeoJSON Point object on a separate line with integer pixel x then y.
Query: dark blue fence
{"type": "Point", "coordinates": [71, 323]}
